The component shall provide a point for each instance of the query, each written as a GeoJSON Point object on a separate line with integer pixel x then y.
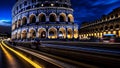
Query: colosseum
{"type": "Point", "coordinates": [43, 19]}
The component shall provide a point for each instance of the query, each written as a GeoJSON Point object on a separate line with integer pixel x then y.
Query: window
{"type": "Point", "coordinates": [25, 3]}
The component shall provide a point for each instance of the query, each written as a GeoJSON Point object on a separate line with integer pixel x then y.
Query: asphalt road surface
{"type": "Point", "coordinates": [12, 58]}
{"type": "Point", "coordinates": [9, 60]}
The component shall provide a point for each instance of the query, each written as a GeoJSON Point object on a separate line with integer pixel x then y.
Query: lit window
{"type": "Point", "coordinates": [42, 5]}
{"type": "Point", "coordinates": [52, 4]}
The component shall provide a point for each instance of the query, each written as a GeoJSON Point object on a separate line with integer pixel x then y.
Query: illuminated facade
{"type": "Point", "coordinates": [44, 19]}
{"type": "Point", "coordinates": [108, 24]}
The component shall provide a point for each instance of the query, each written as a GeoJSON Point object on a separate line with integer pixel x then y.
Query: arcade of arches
{"type": "Point", "coordinates": [52, 33]}
{"type": "Point", "coordinates": [62, 17]}
{"type": "Point", "coordinates": [98, 30]}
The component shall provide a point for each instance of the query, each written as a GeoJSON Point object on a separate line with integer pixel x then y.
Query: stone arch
{"type": "Point", "coordinates": [52, 17]}
{"type": "Point", "coordinates": [116, 15]}
{"type": "Point", "coordinates": [52, 33]}
{"type": "Point", "coordinates": [15, 35]}
{"type": "Point", "coordinates": [106, 28]}
{"type": "Point", "coordinates": [69, 33]}
{"type": "Point", "coordinates": [101, 28]}
{"type": "Point", "coordinates": [42, 33]}
{"type": "Point", "coordinates": [24, 20]}
{"type": "Point", "coordinates": [32, 18]}
{"type": "Point", "coordinates": [62, 17]}
{"type": "Point", "coordinates": [32, 33]}
{"type": "Point", "coordinates": [96, 29]}
{"type": "Point", "coordinates": [42, 17]}
{"type": "Point", "coordinates": [62, 33]}
{"type": "Point", "coordinates": [117, 26]}
{"type": "Point", "coordinates": [18, 35]}
{"type": "Point", "coordinates": [15, 24]}
{"type": "Point", "coordinates": [111, 27]}
{"type": "Point", "coordinates": [75, 33]}
{"type": "Point", "coordinates": [70, 18]}
{"type": "Point", "coordinates": [24, 34]}
{"type": "Point", "coordinates": [19, 23]}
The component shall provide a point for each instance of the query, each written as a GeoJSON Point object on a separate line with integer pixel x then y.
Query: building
{"type": "Point", "coordinates": [44, 19]}
{"type": "Point", "coordinates": [108, 24]}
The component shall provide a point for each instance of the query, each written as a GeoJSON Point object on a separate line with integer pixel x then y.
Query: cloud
{"type": "Point", "coordinates": [105, 2]}
{"type": "Point", "coordinates": [89, 10]}
{"type": "Point", "coordinates": [5, 22]}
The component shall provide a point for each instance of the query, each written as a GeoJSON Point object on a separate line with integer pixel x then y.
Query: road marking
{"type": "Point", "coordinates": [22, 56]}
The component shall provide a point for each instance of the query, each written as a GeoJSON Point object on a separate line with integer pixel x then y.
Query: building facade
{"type": "Point", "coordinates": [44, 19]}
{"type": "Point", "coordinates": [108, 24]}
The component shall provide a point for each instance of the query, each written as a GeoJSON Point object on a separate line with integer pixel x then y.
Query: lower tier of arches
{"type": "Point", "coordinates": [43, 33]}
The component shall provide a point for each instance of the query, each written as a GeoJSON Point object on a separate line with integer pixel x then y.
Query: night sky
{"type": "Point", "coordinates": [84, 10]}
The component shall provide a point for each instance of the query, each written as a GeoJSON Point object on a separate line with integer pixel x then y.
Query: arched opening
{"type": "Point", "coordinates": [32, 19]}
{"type": "Point", "coordinates": [52, 17]}
{"type": "Point", "coordinates": [19, 23]}
{"type": "Point", "coordinates": [106, 27]}
{"type": "Point", "coordinates": [24, 34]}
{"type": "Point", "coordinates": [111, 27]}
{"type": "Point", "coordinates": [18, 35]}
{"type": "Point", "coordinates": [16, 24]}
{"type": "Point", "coordinates": [70, 18]}
{"type": "Point", "coordinates": [62, 17]}
{"type": "Point", "coordinates": [75, 33]}
{"type": "Point", "coordinates": [101, 28]}
{"type": "Point", "coordinates": [42, 33]}
{"type": "Point", "coordinates": [62, 33]}
{"type": "Point", "coordinates": [32, 33]}
{"type": "Point", "coordinates": [24, 21]}
{"type": "Point", "coordinates": [116, 26]}
{"type": "Point", "coordinates": [52, 33]}
{"type": "Point", "coordinates": [15, 35]}
{"type": "Point", "coordinates": [42, 18]}
{"type": "Point", "coordinates": [96, 29]}
{"type": "Point", "coordinates": [70, 34]}
{"type": "Point", "coordinates": [116, 15]}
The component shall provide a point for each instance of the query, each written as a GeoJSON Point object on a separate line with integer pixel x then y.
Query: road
{"type": "Point", "coordinates": [86, 49]}
{"type": "Point", "coordinates": [11, 58]}
{"type": "Point", "coordinates": [20, 57]}
{"type": "Point", "coordinates": [60, 56]}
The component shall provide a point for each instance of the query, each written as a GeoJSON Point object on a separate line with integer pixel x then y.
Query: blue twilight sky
{"type": "Point", "coordinates": [84, 10]}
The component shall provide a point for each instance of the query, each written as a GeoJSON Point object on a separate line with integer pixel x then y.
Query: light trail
{"type": "Point", "coordinates": [9, 57]}
{"type": "Point", "coordinates": [22, 56]}
{"type": "Point", "coordinates": [83, 49]}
